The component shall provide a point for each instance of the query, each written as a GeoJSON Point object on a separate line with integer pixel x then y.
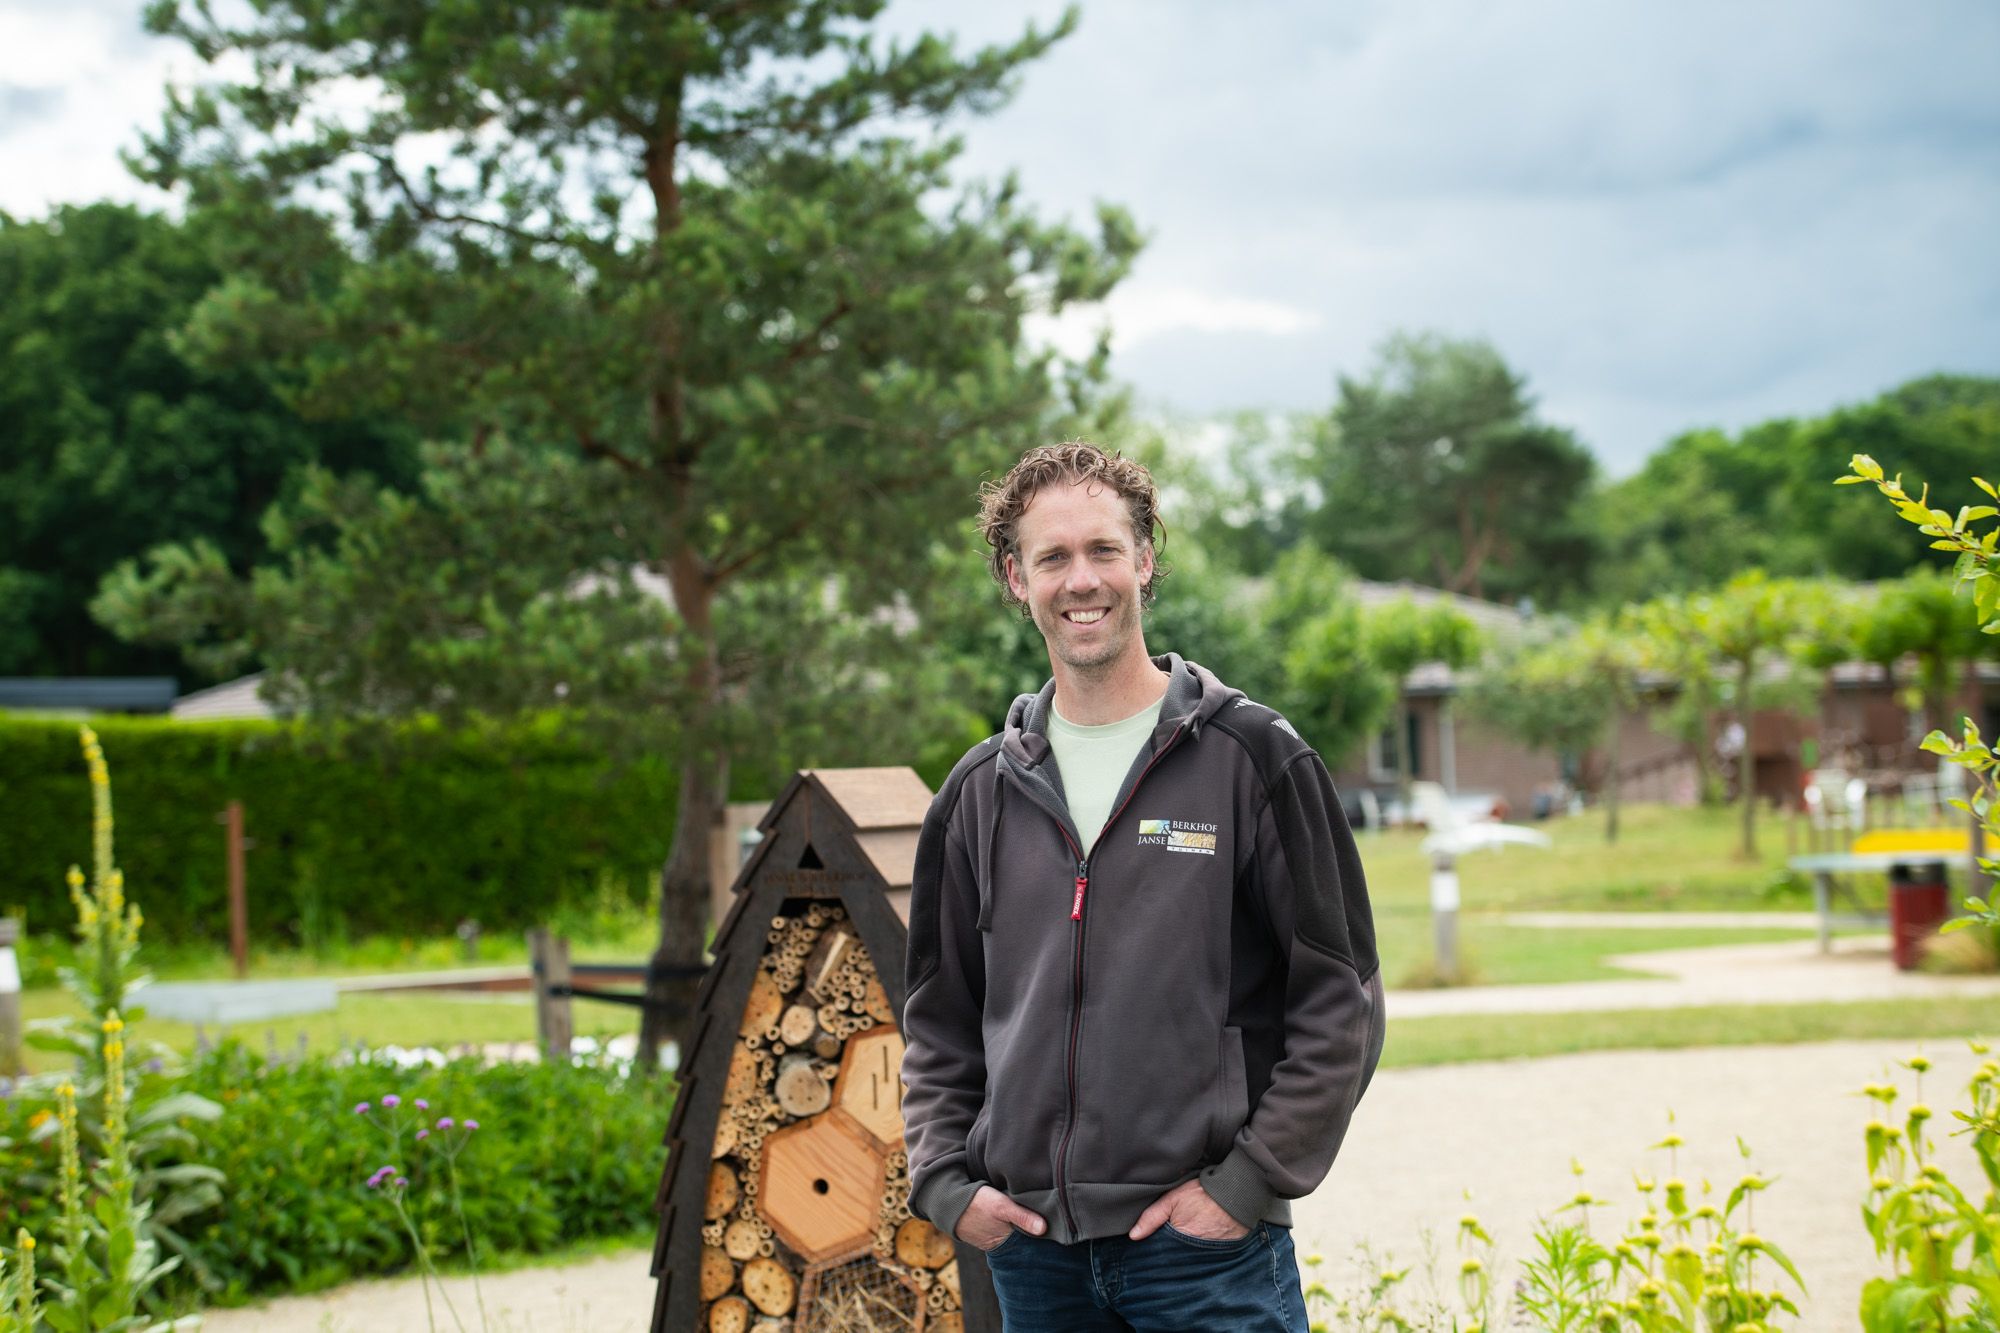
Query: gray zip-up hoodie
{"type": "Point", "coordinates": [1199, 996]}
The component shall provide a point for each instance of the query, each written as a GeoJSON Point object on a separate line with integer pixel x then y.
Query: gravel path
{"type": "Point", "coordinates": [1783, 972]}
{"type": "Point", "coordinates": [1505, 1130]}
{"type": "Point", "coordinates": [1508, 1130]}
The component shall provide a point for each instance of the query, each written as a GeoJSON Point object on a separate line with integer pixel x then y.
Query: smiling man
{"type": "Point", "coordinates": [1143, 996]}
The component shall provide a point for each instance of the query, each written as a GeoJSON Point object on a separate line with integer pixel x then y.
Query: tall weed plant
{"type": "Point", "coordinates": [121, 1181]}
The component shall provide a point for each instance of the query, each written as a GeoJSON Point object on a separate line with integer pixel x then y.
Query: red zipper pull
{"type": "Point", "coordinates": [1082, 883]}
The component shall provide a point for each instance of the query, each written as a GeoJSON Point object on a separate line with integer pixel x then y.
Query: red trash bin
{"type": "Point", "coordinates": [1919, 902]}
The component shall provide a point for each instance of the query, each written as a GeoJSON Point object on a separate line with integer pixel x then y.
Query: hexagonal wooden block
{"type": "Point", "coordinates": [822, 1186]}
{"type": "Point", "coordinates": [870, 1086]}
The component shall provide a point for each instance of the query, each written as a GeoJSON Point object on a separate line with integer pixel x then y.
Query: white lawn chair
{"type": "Point", "coordinates": [1453, 833]}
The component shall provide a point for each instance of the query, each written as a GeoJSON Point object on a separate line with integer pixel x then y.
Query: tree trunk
{"type": "Point", "coordinates": [1746, 761]}
{"type": "Point", "coordinates": [1611, 777]}
{"type": "Point", "coordinates": [1405, 761]}
{"type": "Point", "coordinates": [704, 787]}
{"type": "Point", "coordinates": [1935, 673]}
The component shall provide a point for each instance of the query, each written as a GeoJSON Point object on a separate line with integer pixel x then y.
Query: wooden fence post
{"type": "Point", "coordinates": [548, 958]}
{"type": "Point", "coordinates": [239, 907]}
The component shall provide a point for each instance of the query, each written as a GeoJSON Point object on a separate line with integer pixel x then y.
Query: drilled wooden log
{"type": "Point", "coordinates": [739, 1240]}
{"type": "Point", "coordinates": [921, 1245]}
{"type": "Point", "coordinates": [766, 1002]}
{"type": "Point", "coordinates": [796, 1025]}
{"type": "Point", "coordinates": [876, 1001]}
{"type": "Point", "coordinates": [717, 1273]}
{"type": "Point", "coordinates": [770, 1286]}
{"type": "Point", "coordinates": [801, 1090]}
{"type": "Point", "coordinates": [731, 1314]}
{"type": "Point", "coordinates": [722, 1191]}
{"type": "Point", "coordinates": [743, 1075]}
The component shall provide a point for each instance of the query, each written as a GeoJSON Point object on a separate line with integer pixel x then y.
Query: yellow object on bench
{"type": "Point", "coordinates": [1944, 841]}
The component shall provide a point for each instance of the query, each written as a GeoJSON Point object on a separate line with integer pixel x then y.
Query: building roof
{"type": "Point", "coordinates": [88, 694]}
{"type": "Point", "coordinates": [232, 698]}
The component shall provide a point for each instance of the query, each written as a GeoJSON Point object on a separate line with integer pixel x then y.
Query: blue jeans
{"type": "Point", "coordinates": [1169, 1282]}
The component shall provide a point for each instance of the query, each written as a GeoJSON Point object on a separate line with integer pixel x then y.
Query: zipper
{"type": "Point", "coordinates": [1076, 979]}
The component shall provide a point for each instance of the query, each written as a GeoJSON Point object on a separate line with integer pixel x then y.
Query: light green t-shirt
{"type": "Point", "coordinates": [1093, 762]}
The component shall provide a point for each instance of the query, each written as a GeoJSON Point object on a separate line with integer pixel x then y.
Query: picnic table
{"type": "Point", "coordinates": [1824, 866]}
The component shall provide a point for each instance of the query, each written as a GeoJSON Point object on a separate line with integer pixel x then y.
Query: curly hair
{"type": "Point", "coordinates": [1002, 502]}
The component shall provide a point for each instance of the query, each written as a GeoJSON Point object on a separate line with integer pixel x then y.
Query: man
{"type": "Point", "coordinates": [1143, 996]}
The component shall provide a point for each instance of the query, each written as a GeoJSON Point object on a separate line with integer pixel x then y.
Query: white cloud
{"type": "Point", "coordinates": [1137, 313]}
{"type": "Point", "coordinates": [92, 79]}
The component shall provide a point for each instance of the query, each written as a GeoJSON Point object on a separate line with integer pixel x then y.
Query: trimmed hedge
{"type": "Point", "coordinates": [404, 833]}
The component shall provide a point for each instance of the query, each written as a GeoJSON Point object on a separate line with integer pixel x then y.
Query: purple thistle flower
{"type": "Point", "coordinates": [423, 1105]}
{"type": "Point", "coordinates": [471, 1125]}
{"type": "Point", "coordinates": [391, 1101]}
{"type": "Point", "coordinates": [400, 1182]}
{"type": "Point", "coordinates": [446, 1122]}
{"type": "Point", "coordinates": [381, 1174]}
{"type": "Point", "coordinates": [361, 1108]}
{"type": "Point", "coordinates": [423, 1134]}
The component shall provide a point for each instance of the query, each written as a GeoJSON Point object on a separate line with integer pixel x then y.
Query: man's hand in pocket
{"type": "Point", "coordinates": [991, 1217]}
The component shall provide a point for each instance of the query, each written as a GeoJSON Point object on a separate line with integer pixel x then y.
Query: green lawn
{"type": "Point", "coordinates": [379, 1020]}
{"type": "Point", "coordinates": [627, 938]}
{"type": "Point", "coordinates": [1665, 858]}
{"type": "Point", "coordinates": [1499, 954]}
{"type": "Point", "coordinates": [1454, 1039]}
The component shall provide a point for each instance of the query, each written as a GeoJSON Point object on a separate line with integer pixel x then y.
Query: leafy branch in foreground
{"type": "Point", "coordinates": [1978, 566]}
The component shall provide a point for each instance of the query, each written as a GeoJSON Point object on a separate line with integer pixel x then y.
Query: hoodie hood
{"type": "Point", "coordinates": [1193, 696]}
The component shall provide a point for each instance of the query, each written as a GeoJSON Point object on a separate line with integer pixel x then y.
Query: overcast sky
{"type": "Point", "coordinates": [1665, 214]}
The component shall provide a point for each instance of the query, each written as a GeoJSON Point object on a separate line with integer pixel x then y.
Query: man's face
{"type": "Point", "coordinates": [1079, 569]}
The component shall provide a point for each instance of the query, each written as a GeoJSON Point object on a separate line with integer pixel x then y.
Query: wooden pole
{"type": "Point", "coordinates": [10, 998]}
{"type": "Point", "coordinates": [239, 907]}
{"type": "Point", "coordinates": [548, 958]}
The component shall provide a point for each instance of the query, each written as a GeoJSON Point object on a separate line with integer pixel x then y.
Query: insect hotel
{"type": "Point", "coordinates": [784, 1204]}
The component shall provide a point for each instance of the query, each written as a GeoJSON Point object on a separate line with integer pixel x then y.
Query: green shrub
{"type": "Point", "coordinates": [405, 831]}
{"type": "Point", "coordinates": [565, 1152]}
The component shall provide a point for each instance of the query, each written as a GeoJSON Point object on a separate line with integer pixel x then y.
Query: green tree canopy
{"type": "Point", "coordinates": [1924, 614]}
{"type": "Point", "coordinates": [709, 248]}
{"type": "Point", "coordinates": [112, 441]}
{"type": "Point", "coordinates": [1718, 643]}
{"type": "Point", "coordinates": [1435, 468]}
{"type": "Point", "coordinates": [1709, 504]}
{"type": "Point", "coordinates": [1400, 636]}
{"type": "Point", "coordinates": [1566, 691]}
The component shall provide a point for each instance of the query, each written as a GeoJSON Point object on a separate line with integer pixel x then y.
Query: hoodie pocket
{"type": "Point", "coordinates": [1232, 1096]}
{"type": "Point", "coordinates": [975, 1145]}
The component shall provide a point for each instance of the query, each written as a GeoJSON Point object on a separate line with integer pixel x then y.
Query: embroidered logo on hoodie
{"type": "Point", "coordinates": [1178, 835]}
